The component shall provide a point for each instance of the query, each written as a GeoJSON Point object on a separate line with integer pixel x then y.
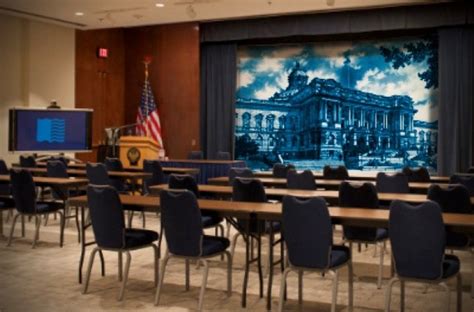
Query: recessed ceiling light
{"type": "Point", "coordinates": [79, 13]}
{"type": "Point", "coordinates": [159, 5]}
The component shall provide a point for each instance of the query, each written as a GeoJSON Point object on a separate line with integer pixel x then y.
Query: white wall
{"type": "Point", "coordinates": [36, 65]}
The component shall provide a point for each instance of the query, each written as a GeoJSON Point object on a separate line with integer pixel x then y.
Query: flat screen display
{"type": "Point", "coordinates": [50, 130]}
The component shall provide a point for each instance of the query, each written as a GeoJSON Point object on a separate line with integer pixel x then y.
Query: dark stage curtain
{"type": "Point", "coordinates": [218, 86]}
{"type": "Point", "coordinates": [456, 100]}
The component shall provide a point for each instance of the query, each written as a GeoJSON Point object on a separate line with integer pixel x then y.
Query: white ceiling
{"type": "Point", "coordinates": [129, 13]}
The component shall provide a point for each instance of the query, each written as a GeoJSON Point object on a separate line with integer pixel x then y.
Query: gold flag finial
{"type": "Point", "coordinates": [147, 62]}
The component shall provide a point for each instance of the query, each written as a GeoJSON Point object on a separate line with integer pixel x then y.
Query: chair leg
{"type": "Point", "coordinates": [130, 219]}
{"type": "Point", "coordinates": [23, 226]}
{"type": "Point", "coordinates": [234, 243]}
{"type": "Point", "coordinates": [472, 273]}
{"type": "Point", "coordinates": [459, 292]}
{"type": "Point", "coordinates": [9, 215]}
{"type": "Point", "coordinates": [282, 288]}
{"type": "Point", "coordinates": [229, 273]}
{"type": "Point", "coordinates": [402, 296]}
{"type": "Point", "coordinates": [300, 287]}
{"type": "Point", "coordinates": [143, 219]}
{"type": "Point", "coordinates": [388, 293]}
{"type": "Point", "coordinates": [186, 275]}
{"type": "Point", "coordinates": [38, 224]}
{"type": "Point", "coordinates": [334, 291]}
{"type": "Point", "coordinates": [203, 285]}
{"type": "Point", "coordinates": [156, 263]}
{"type": "Point", "coordinates": [125, 275]}
{"type": "Point", "coordinates": [120, 266]}
{"type": "Point", "coordinates": [162, 277]}
{"type": "Point", "coordinates": [89, 269]}
{"type": "Point", "coordinates": [448, 295]}
{"type": "Point", "coordinates": [62, 221]}
{"type": "Point", "coordinates": [46, 219]}
{"type": "Point", "coordinates": [78, 226]}
{"type": "Point", "coordinates": [350, 279]}
{"type": "Point", "coordinates": [12, 229]}
{"type": "Point", "coordinates": [379, 278]}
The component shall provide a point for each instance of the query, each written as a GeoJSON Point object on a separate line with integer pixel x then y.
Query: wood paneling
{"type": "Point", "coordinates": [100, 83]}
{"type": "Point", "coordinates": [174, 76]}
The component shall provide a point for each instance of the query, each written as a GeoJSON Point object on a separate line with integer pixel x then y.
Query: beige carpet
{"type": "Point", "coordinates": [45, 279]}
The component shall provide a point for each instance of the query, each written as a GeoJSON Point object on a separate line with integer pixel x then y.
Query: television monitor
{"type": "Point", "coordinates": [41, 130]}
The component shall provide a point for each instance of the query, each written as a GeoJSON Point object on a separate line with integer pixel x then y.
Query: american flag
{"type": "Point", "coordinates": [147, 117]}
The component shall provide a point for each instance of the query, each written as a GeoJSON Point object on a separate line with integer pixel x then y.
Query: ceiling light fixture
{"type": "Point", "coordinates": [79, 13]}
{"type": "Point", "coordinates": [159, 5]}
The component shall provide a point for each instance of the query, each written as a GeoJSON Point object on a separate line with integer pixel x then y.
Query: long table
{"type": "Point", "coordinates": [326, 183]}
{"type": "Point", "coordinates": [358, 175]}
{"type": "Point", "coordinates": [463, 223]}
{"type": "Point", "coordinates": [48, 181]}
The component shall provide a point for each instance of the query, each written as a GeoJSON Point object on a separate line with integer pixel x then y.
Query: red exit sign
{"type": "Point", "coordinates": [102, 52]}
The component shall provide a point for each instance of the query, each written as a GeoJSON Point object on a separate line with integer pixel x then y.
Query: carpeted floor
{"type": "Point", "coordinates": [45, 279]}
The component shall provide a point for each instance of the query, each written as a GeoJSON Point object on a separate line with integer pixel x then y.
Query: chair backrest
{"type": "Point", "coordinates": [303, 181]}
{"type": "Point", "coordinates": [358, 196]}
{"type": "Point", "coordinates": [397, 183]}
{"type": "Point", "coordinates": [23, 190]}
{"type": "Point", "coordinates": [308, 231]}
{"type": "Point", "coordinates": [181, 221]}
{"type": "Point", "coordinates": [196, 155]}
{"type": "Point", "coordinates": [153, 167]}
{"type": "Point", "coordinates": [223, 156]}
{"type": "Point", "coordinates": [97, 174]}
{"type": "Point", "coordinates": [106, 215]}
{"type": "Point", "coordinates": [4, 188]}
{"type": "Point", "coordinates": [249, 190]}
{"type": "Point", "coordinates": [338, 173]}
{"type": "Point", "coordinates": [62, 159]}
{"type": "Point", "coordinates": [417, 175]}
{"type": "Point", "coordinates": [57, 169]}
{"type": "Point", "coordinates": [281, 170]}
{"type": "Point", "coordinates": [417, 236]}
{"type": "Point", "coordinates": [113, 164]}
{"type": "Point", "coordinates": [27, 161]}
{"type": "Point", "coordinates": [183, 182]}
{"type": "Point", "coordinates": [455, 199]}
{"type": "Point", "coordinates": [467, 181]}
{"type": "Point", "coordinates": [239, 173]}
{"type": "Point", "coordinates": [3, 167]}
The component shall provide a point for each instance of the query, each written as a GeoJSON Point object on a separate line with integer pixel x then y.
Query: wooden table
{"type": "Point", "coordinates": [47, 181]}
{"type": "Point", "coordinates": [326, 183]}
{"type": "Point", "coordinates": [463, 223]}
{"type": "Point", "coordinates": [359, 175]}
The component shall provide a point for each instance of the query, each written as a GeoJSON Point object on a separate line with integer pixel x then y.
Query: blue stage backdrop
{"type": "Point", "coordinates": [369, 105]}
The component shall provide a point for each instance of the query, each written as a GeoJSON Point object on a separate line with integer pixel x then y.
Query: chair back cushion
{"type": "Point", "coordinates": [249, 190]}
{"type": "Point", "coordinates": [97, 174]}
{"type": "Point", "coordinates": [113, 164]}
{"type": "Point", "coordinates": [181, 221]}
{"type": "Point", "coordinates": [27, 161]}
{"type": "Point", "coordinates": [196, 155]}
{"type": "Point", "coordinates": [3, 167]}
{"type": "Point", "coordinates": [454, 199]}
{"type": "Point", "coordinates": [153, 167]}
{"type": "Point", "coordinates": [417, 175]}
{"type": "Point", "coordinates": [397, 183]}
{"type": "Point", "coordinates": [23, 190]}
{"type": "Point", "coordinates": [417, 237]}
{"type": "Point", "coordinates": [339, 173]}
{"type": "Point", "coordinates": [308, 231]}
{"type": "Point", "coordinates": [302, 181]}
{"type": "Point", "coordinates": [183, 182]}
{"type": "Point", "coordinates": [4, 188]}
{"type": "Point", "coordinates": [239, 173]}
{"type": "Point", "coordinates": [281, 170]}
{"type": "Point", "coordinates": [467, 181]}
{"type": "Point", "coordinates": [223, 156]}
{"type": "Point", "coordinates": [57, 169]}
{"type": "Point", "coordinates": [106, 215]}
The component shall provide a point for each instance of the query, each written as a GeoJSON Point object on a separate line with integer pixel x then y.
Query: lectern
{"type": "Point", "coordinates": [134, 149]}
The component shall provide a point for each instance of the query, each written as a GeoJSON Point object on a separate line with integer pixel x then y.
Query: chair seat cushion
{"type": "Point", "coordinates": [46, 208]}
{"type": "Point", "coordinates": [339, 255]}
{"type": "Point", "coordinates": [139, 237]}
{"type": "Point", "coordinates": [450, 265]}
{"type": "Point", "coordinates": [456, 240]}
{"type": "Point", "coordinates": [214, 244]}
{"type": "Point", "coordinates": [210, 221]}
{"type": "Point", "coordinates": [365, 234]}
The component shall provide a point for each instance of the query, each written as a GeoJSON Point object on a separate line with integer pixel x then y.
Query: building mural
{"type": "Point", "coordinates": [367, 105]}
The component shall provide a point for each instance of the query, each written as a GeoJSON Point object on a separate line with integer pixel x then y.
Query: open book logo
{"type": "Point", "coordinates": [50, 130]}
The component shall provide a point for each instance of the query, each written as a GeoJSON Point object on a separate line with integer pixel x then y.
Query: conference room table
{"type": "Point", "coordinates": [325, 183]}
{"type": "Point", "coordinates": [461, 223]}
{"type": "Point", "coordinates": [356, 175]}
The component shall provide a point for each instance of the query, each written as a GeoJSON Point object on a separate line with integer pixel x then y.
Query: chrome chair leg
{"type": "Point", "coordinates": [388, 293]}
{"type": "Point", "coordinates": [125, 275]}
{"type": "Point", "coordinates": [448, 295]}
{"type": "Point", "coordinates": [203, 285]}
{"type": "Point", "coordinates": [233, 244]}
{"type": "Point", "coordinates": [23, 225]}
{"type": "Point", "coordinates": [143, 219]}
{"type": "Point", "coordinates": [89, 269]}
{"type": "Point", "coordinates": [120, 266]}
{"type": "Point", "coordinates": [162, 277]}
{"type": "Point", "coordinates": [334, 291]}
{"type": "Point", "coordinates": [37, 224]}
{"type": "Point", "coordinates": [12, 229]}
{"type": "Point", "coordinates": [229, 273]}
{"type": "Point", "coordinates": [300, 287]}
{"type": "Point", "coordinates": [156, 263]}
{"type": "Point", "coordinates": [62, 220]}
{"type": "Point", "coordinates": [186, 274]}
{"type": "Point", "coordinates": [282, 288]}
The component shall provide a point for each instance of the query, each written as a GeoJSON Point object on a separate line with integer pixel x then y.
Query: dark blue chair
{"type": "Point", "coordinates": [239, 173]}
{"type": "Point", "coordinates": [115, 164]}
{"type": "Point", "coordinates": [110, 233]}
{"type": "Point", "coordinates": [338, 173]}
{"type": "Point", "coordinates": [308, 236]}
{"type": "Point", "coordinates": [417, 175]}
{"type": "Point", "coordinates": [303, 181]}
{"type": "Point", "coordinates": [196, 155]}
{"type": "Point", "coordinates": [24, 195]}
{"type": "Point", "coordinates": [363, 196]}
{"type": "Point", "coordinates": [157, 175]}
{"type": "Point", "coordinates": [396, 183]}
{"type": "Point", "coordinates": [180, 220]}
{"type": "Point", "coordinates": [97, 174]}
{"type": "Point", "coordinates": [6, 200]}
{"type": "Point", "coordinates": [187, 182]}
{"type": "Point", "coordinates": [223, 156]}
{"type": "Point", "coordinates": [418, 240]}
{"type": "Point", "coordinates": [466, 181]}
{"type": "Point", "coordinates": [27, 161]}
{"type": "Point", "coordinates": [281, 170]}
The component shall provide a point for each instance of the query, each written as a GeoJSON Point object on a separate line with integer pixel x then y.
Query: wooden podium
{"type": "Point", "coordinates": [134, 149]}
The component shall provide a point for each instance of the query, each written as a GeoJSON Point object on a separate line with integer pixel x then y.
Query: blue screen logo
{"type": "Point", "coordinates": [50, 130]}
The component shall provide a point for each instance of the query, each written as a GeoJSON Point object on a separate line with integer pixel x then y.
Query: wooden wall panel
{"type": "Point", "coordinates": [174, 76]}
{"type": "Point", "coordinates": [100, 83]}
